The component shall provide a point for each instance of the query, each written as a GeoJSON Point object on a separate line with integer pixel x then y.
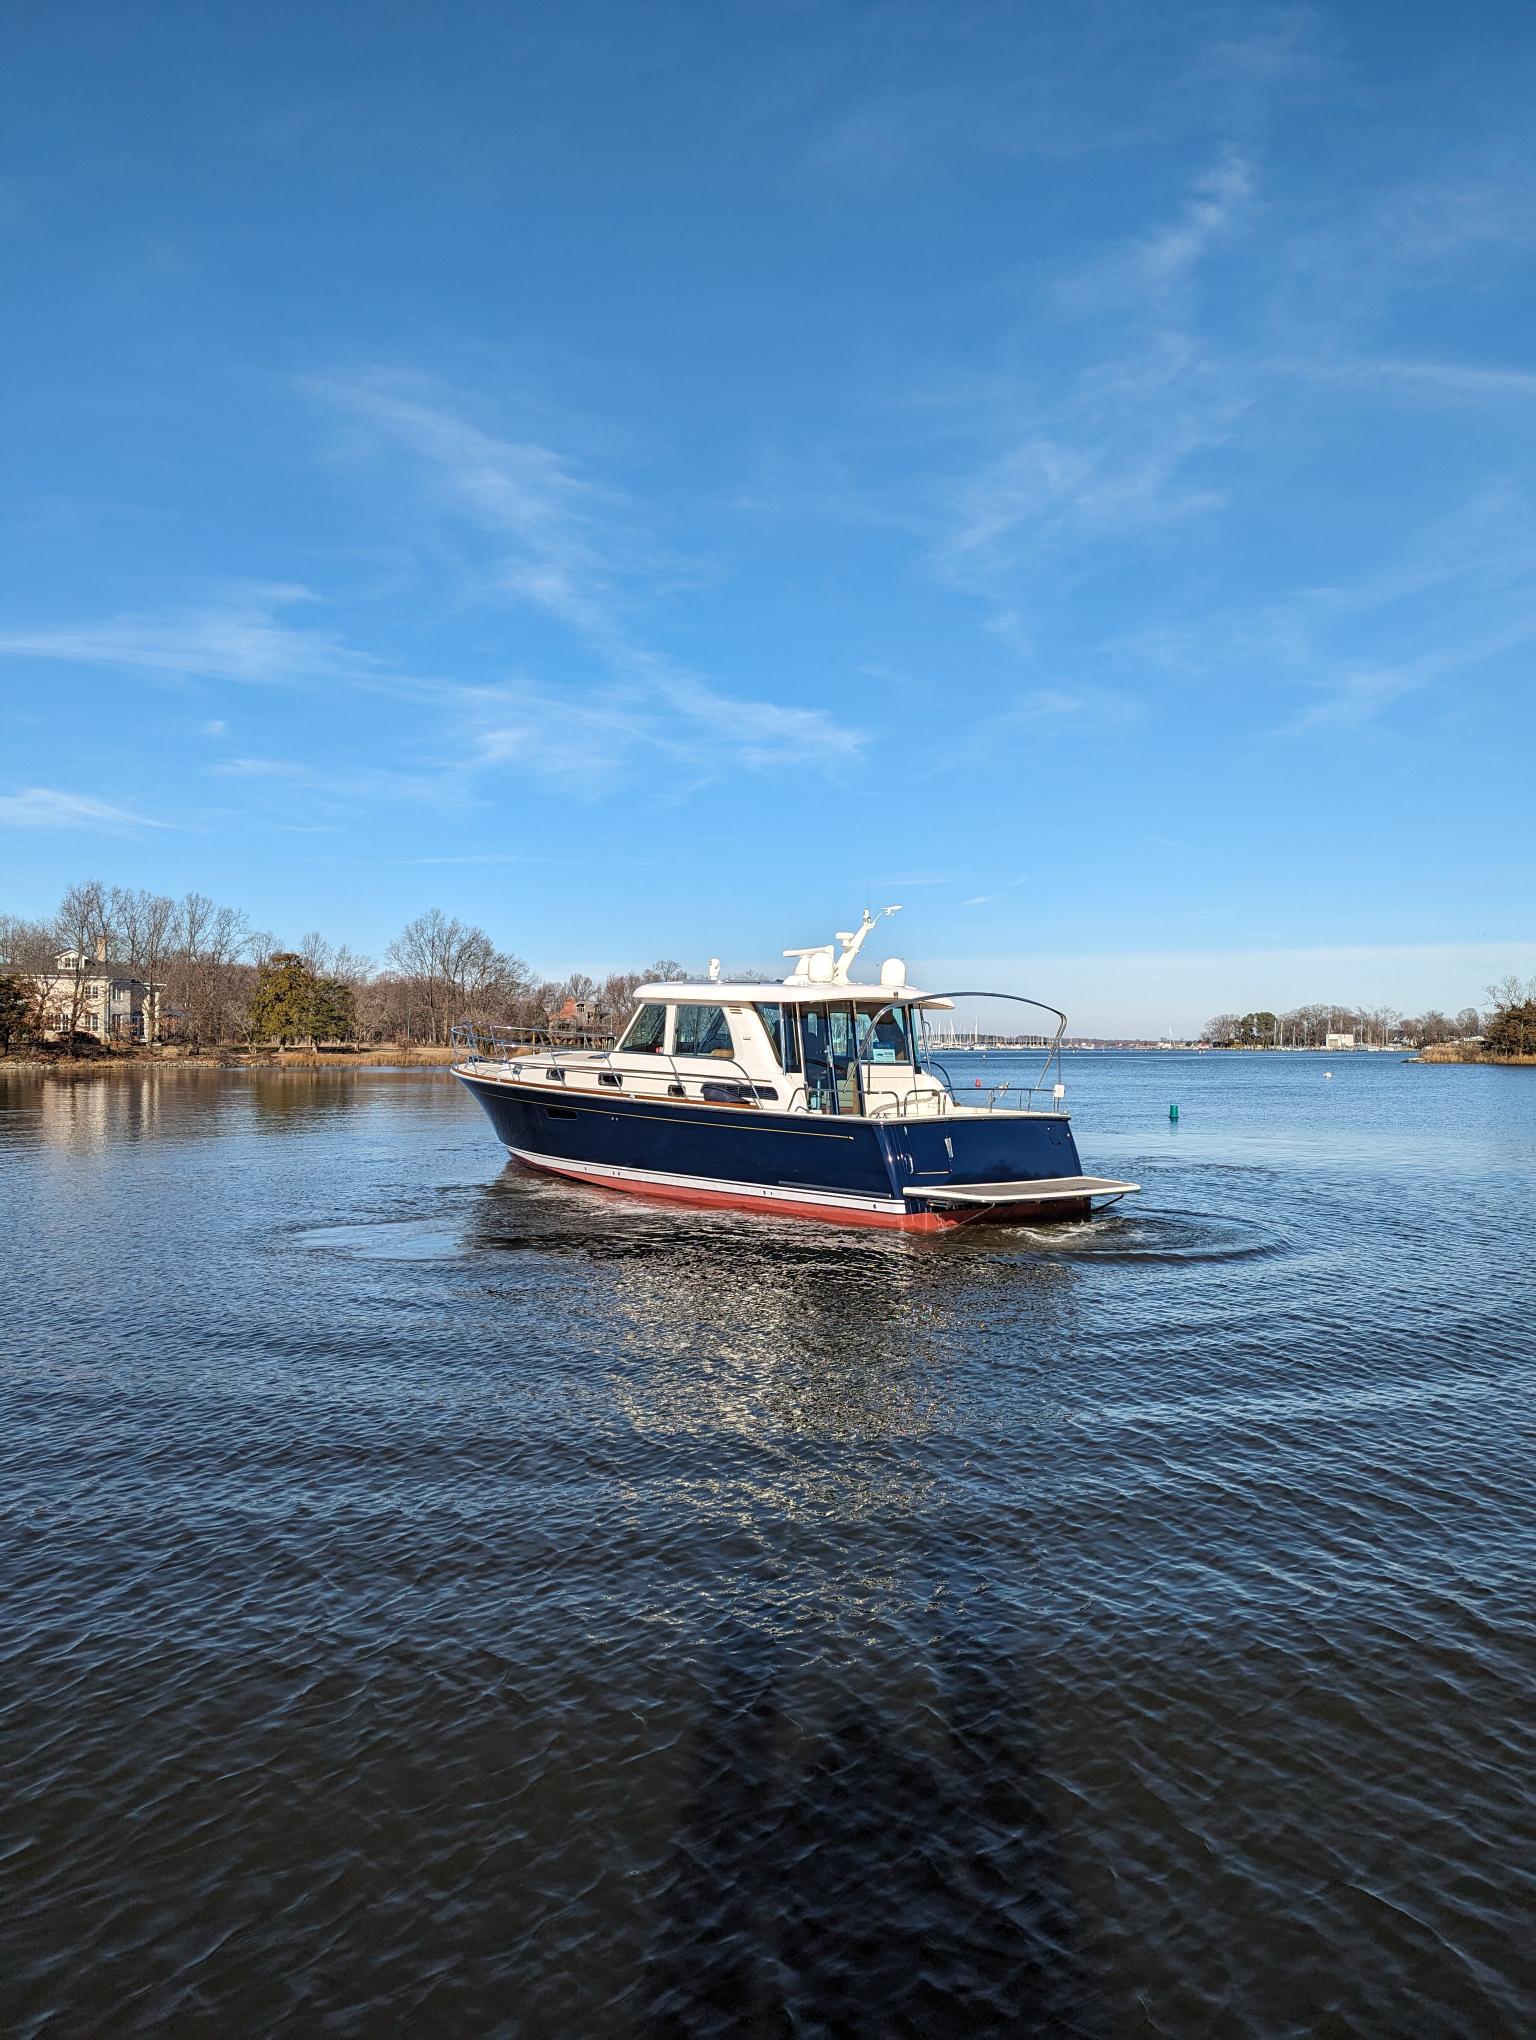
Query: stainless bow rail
{"type": "Point", "coordinates": [512, 1048]}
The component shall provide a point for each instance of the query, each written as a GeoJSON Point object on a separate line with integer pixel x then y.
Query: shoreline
{"type": "Point", "coordinates": [1448, 1053]}
{"type": "Point", "coordinates": [414, 1057]}
{"type": "Point", "coordinates": [421, 1056]}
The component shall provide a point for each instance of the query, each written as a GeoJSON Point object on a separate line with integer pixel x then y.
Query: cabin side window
{"type": "Point", "coordinates": [779, 1026]}
{"type": "Point", "coordinates": [884, 1037]}
{"type": "Point", "coordinates": [646, 1033]}
{"type": "Point", "coordinates": [702, 1030]}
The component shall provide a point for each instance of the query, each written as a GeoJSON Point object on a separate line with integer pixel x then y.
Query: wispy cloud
{"type": "Point", "coordinates": [347, 789]}
{"type": "Point", "coordinates": [584, 740]}
{"type": "Point", "coordinates": [1159, 265]}
{"type": "Point", "coordinates": [1354, 693]}
{"type": "Point", "coordinates": [484, 857]}
{"type": "Point", "coordinates": [1054, 711]}
{"type": "Point", "coordinates": [562, 553]}
{"type": "Point", "coordinates": [236, 635]}
{"type": "Point", "coordinates": [1468, 381]}
{"type": "Point", "coordinates": [1114, 447]}
{"type": "Point", "coordinates": [46, 807]}
{"type": "Point", "coordinates": [1459, 593]}
{"type": "Point", "coordinates": [1482, 200]}
{"type": "Point", "coordinates": [556, 523]}
{"type": "Point", "coordinates": [569, 554]}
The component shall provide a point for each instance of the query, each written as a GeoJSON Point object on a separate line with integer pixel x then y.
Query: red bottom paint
{"type": "Point", "coordinates": [723, 1200]}
{"type": "Point", "coordinates": [828, 1214]}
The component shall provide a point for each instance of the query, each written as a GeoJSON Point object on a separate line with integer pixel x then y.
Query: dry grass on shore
{"type": "Point", "coordinates": [114, 1063]}
{"type": "Point", "coordinates": [1460, 1052]}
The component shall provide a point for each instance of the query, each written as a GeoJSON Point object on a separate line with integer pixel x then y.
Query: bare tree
{"type": "Point", "coordinates": [486, 982]}
{"type": "Point", "coordinates": [82, 926]}
{"type": "Point", "coordinates": [206, 975]}
{"type": "Point", "coordinates": [1430, 1028]}
{"type": "Point", "coordinates": [419, 953]}
{"type": "Point", "coordinates": [334, 959]}
{"type": "Point", "coordinates": [27, 946]}
{"type": "Point", "coordinates": [455, 972]}
{"type": "Point", "coordinates": [616, 997]}
{"type": "Point", "coordinates": [1509, 992]}
{"type": "Point", "coordinates": [146, 924]}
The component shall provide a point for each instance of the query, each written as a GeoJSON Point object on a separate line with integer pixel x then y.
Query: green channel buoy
{"type": "Point", "coordinates": [1173, 1111]}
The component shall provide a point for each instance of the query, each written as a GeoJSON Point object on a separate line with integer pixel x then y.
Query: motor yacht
{"type": "Point", "coordinates": [815, 1097]}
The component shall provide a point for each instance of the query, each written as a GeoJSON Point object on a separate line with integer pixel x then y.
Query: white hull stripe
{"type": "Point", "coordinates": [604, 1172]}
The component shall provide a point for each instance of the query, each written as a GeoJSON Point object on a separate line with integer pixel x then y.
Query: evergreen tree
{"type": "Point", "coordinates": [282, 1002]}
{"type": "Point", "coordinates": [1512, 1030]}
{"type": "Point", "coordinates": [332, 1010]}
{"type": "Point", "coordinates": [18, 1004]}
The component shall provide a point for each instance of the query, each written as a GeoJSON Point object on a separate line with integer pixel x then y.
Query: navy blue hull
{"type": "Point", "coordinates": [791, 1158]}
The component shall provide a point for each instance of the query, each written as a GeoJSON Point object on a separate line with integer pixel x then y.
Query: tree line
{"type": "Point", "coordinates": [1509, 1021]}
{"type": "Point", "coordinates": [225, 981]}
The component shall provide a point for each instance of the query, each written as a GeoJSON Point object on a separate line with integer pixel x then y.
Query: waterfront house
{"type": "Point", "coordinates": [574, 1020]}
{"type": "Point", "coordinates": [92, 995]}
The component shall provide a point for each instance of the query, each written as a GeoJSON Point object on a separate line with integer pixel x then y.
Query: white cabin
{"type": "Point", "coordinates": [816, 1042]}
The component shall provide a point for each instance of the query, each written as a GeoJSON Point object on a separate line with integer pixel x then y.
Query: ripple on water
{"type": "Point", "coordinates": [393, 1239]}
{"type": "Point", "coordinates": [1146, 1236]}
{"type": "Point", "coordinates": [431, 1594]}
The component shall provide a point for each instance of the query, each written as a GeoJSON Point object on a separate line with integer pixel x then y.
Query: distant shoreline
{"type": "Point", "coordinates": [1452, 1052]}
{"type": "Point", "coordinates": [417, 1057]}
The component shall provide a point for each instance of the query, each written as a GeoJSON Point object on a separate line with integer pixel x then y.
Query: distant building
{"type": "Point", "coordinates": [1338, 1041]}
{"type": "Point", "coordinates": [576, 1013]}
{"type": "Point", "coordinates": [576, 1021]}
{"type": "Point", "coordinates": [98, 997]}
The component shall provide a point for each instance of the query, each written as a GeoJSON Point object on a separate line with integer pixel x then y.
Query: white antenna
{"type": "Point", "coordinates": [854, 941]}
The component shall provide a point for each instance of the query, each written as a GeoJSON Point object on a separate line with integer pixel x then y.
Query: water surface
{"type": "Point", "coordinates": [433, 1596]}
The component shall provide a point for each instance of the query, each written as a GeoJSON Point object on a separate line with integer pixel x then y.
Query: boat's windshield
{"type": "Point", "coordinates": [647, 1031]}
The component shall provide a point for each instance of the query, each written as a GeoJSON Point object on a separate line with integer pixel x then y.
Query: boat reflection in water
{"type": "Point", "coordinates": [844, 1810]}
{"type": "Point", "coordinates": [816, 1097]}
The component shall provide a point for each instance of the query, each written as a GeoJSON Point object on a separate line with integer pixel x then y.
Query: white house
{"type": "Point", "coordinates": [98, 997]}
{"type": "Point", "coordinates": [1338, 1041]}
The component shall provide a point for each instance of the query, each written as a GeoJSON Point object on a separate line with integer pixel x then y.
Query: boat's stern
{"type": "Point", "coordinates": [1019, 1166]}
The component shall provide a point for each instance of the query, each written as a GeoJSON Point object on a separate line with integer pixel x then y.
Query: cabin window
{"type": "Point", "coordinates": [702, 1030]}
{"type": "Point", "coordinates": [883, 1037]}
{"type": "Point", "coordinates": [780, 1029]}
{"type": "Point", "coordinates": [646, 1032]}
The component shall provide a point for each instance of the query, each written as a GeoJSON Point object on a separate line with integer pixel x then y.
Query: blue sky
{"type": "Point", "coordinates": [649, 478]}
